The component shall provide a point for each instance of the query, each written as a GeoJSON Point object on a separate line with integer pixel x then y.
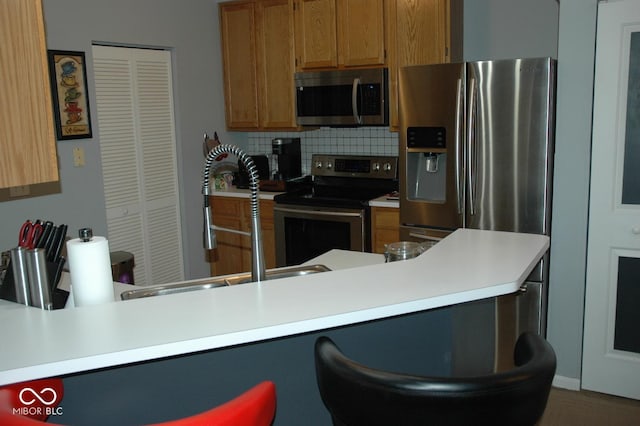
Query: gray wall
{"type": "Point", "coordinates": [506, 29]}
{"type": "Point", "coordinates": [576, 55]}
{"type": "Point", "coordinates": [493, 29]}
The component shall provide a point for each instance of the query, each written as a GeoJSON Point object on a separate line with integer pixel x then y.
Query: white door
{"type": "Point", "coordinates": [134, 98]}
{"type": "Point", "coordinates": [611, 351]}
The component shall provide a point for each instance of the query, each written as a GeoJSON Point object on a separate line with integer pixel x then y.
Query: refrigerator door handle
{"type": "Point", "coordinates": [354, 101]}
{"type": "Point", "coordinates": [470, 139]}
{"type": "Point", "coordinates": [458, 146]}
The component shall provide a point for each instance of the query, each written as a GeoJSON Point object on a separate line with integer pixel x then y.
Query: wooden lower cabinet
{"type": "Point", "coordinates": [385, 227]}
{"type": "Point", "coordinates": [233, 253]}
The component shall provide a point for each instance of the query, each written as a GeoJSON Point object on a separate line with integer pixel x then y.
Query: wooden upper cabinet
{"type": "Point", "coordinates": [276, 64]}
{"type": "Point", "coordinates": [237, 33]}
{"type": "Point", "coordinates": [258, 64]}
{"type": "Point", "coordinates": [361, 33]}
{"type": "Point", "coordinates": [27, 132]}
{"type": "Point", "coordinates": [265, 41]}
{"type": "Point", "coordinates": [421, 32]}
{"type": "Point", "coordinates": [339, 33]}
{"type": "Point", "coordinates": [316, 34]}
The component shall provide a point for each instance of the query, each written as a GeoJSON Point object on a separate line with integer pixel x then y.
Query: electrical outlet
{"type": "Point", "coordinates": [78, 157]}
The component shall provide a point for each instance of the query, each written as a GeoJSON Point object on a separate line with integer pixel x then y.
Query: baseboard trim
{"type": "Point", "coordinates": [566, 383]}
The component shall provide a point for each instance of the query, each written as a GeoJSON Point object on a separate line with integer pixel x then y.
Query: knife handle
{"type": "Point", "coordinates": [58, 272]}
{"type": "Point", "coordinates": [58, 241]}
{"type": "Point", "coordinates": [46, 234]}
{"type": "Point", "coordinates": [49, 242]}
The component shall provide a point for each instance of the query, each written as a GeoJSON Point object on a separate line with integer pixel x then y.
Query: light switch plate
{"type": "Point", "coordinates": [78, 157]}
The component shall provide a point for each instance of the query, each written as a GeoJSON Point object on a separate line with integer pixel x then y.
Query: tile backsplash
{"type": "Point", "coordinates": [353, 141]}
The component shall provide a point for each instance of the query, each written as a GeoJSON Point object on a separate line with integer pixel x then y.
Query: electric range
{"type": "Point", "coordinates": [333, 210]}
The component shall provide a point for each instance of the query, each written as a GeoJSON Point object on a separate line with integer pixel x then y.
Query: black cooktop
{"type": "Point", "coordinates": [354, 200]}
{"type": "Point", "coordinates": [344, 181]}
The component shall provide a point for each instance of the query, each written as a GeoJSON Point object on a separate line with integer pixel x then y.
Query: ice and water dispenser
{"type": "Point", "coordinates": [426, 162]}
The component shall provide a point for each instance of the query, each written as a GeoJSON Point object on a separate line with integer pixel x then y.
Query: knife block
{"type": "Point", "coordinates": [54, 270]}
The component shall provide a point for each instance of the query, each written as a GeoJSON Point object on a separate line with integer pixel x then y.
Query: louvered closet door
{"type": "Point", "coordinates": [138, 149]}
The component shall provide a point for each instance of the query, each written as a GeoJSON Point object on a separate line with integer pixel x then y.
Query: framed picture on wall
{"type": "Point", "coordinates": [70, 98]}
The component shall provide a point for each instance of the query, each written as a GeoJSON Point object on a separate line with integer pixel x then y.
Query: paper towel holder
{"type": "Point", "coordinates": [85, 234]}
{"type": "Point", "coordinates": [89, 267]}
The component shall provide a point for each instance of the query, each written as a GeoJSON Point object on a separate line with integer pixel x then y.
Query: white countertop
{"type": "Point", "coordinates": [384, 201]}
{"type": "Point", "coordinates": [243, 193]}
{"type": "Point", "coordinates": [468, 265]}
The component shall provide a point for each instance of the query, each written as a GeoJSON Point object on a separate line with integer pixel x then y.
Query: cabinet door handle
{"type": "Point", "coordinates": [233, 231]}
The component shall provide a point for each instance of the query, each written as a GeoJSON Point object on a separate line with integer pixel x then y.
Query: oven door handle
{"type": "Point", "coordinates": [318, 212]}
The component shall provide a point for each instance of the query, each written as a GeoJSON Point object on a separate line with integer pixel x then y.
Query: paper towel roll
{"type": "Point", "coordinates": [90, 269]}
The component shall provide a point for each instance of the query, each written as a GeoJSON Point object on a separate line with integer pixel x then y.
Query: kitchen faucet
{"type": "Point", "coordinates": [257, 257]}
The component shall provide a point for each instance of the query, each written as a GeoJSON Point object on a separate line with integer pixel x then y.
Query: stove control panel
{"type": "Point", "coordinates": [359, 166]}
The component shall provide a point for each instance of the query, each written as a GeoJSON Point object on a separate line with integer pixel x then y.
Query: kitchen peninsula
{"type": "Point", "coordinates": [466, 266]}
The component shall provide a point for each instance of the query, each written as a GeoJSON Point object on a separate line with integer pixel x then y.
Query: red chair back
{"type": "Point", "coordinates": [255, 407]}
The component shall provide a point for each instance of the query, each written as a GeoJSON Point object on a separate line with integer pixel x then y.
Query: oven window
{"type": "Point", "coordinates": [306, 239]}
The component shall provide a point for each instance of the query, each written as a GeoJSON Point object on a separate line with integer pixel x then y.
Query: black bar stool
{"type": "Point", "coordinates": [357, 395]}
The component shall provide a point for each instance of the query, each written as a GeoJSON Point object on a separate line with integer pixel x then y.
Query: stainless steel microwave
{"type": "Point", "coordinates": [342, 98]}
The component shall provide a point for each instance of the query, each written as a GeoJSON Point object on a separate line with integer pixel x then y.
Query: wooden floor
{"type": "Point", "coordinates": [567, 408]}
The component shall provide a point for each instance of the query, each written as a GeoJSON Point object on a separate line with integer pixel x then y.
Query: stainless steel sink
{"type": "Point", "coordinates": [223, 281]}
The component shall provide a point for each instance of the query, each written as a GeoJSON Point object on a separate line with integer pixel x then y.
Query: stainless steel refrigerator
{"type": "Point", "coordinates": [476, 151]}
